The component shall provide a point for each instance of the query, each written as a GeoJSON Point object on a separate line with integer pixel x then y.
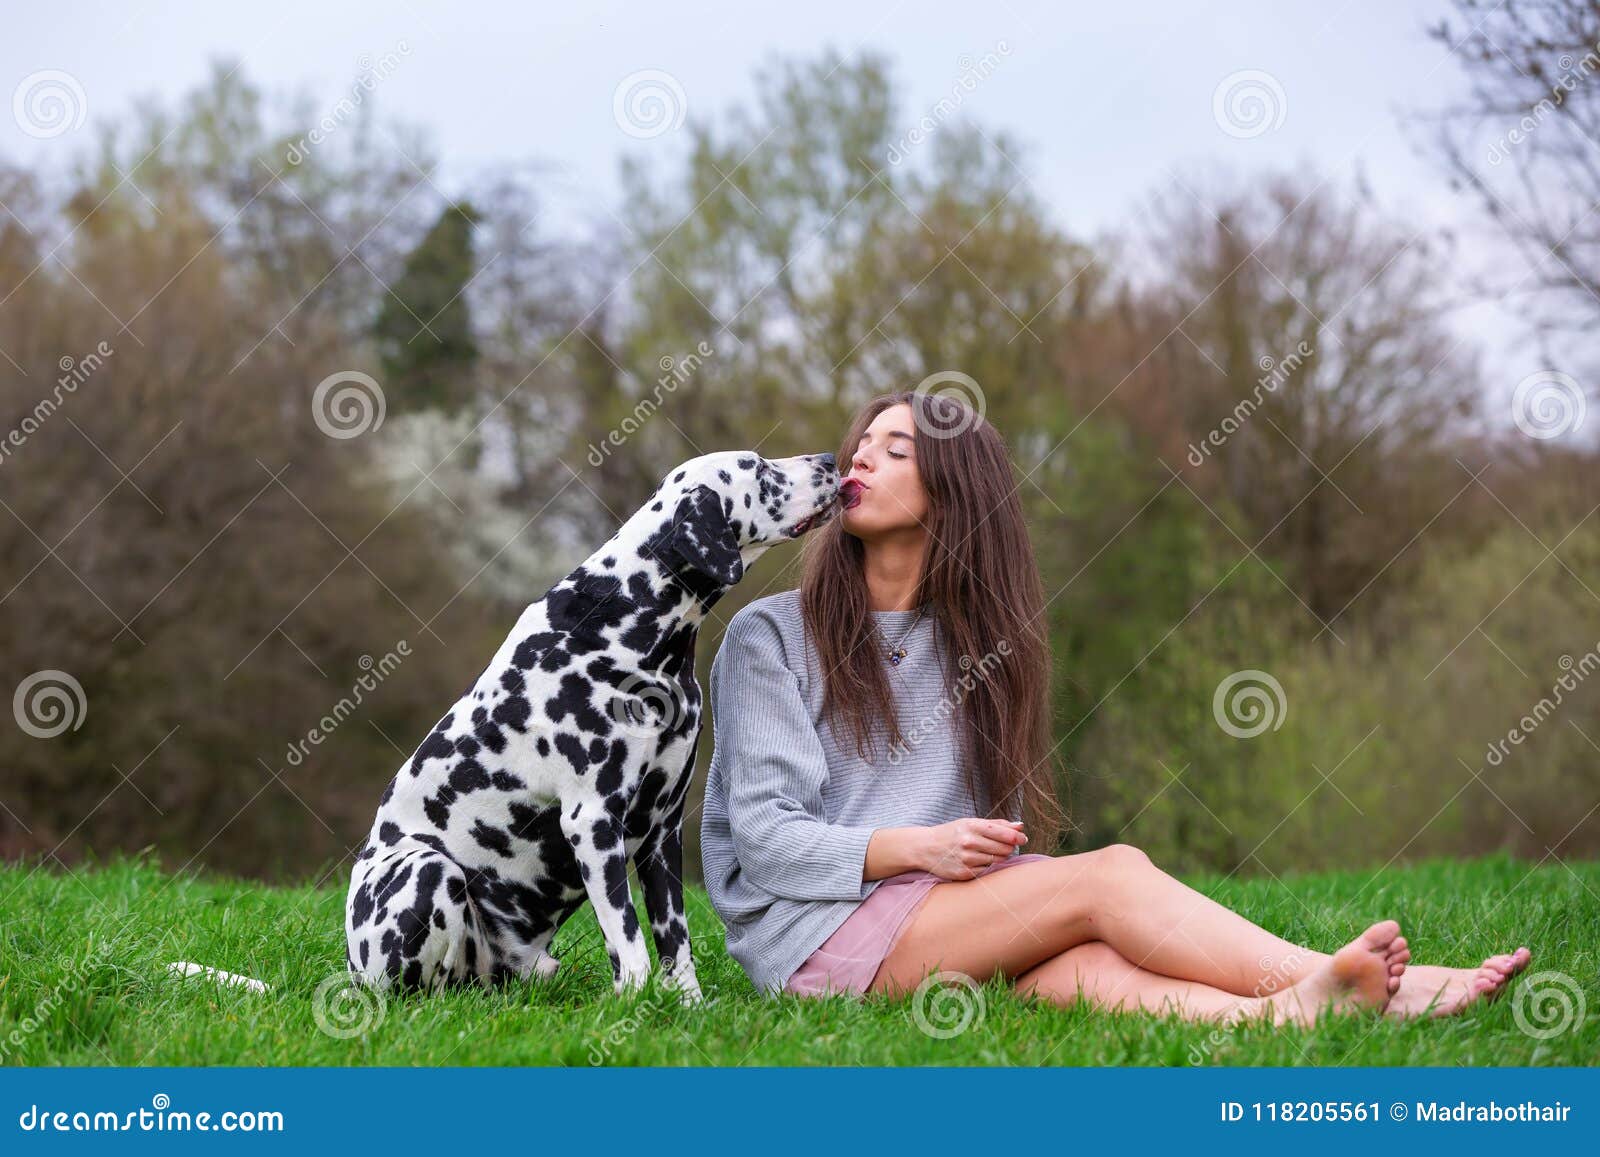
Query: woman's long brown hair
{"type": "Point", "coordinates": [981, 582]}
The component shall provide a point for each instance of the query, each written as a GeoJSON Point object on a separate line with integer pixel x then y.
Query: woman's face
{"type": "Point", "coordinates": [885, 463]}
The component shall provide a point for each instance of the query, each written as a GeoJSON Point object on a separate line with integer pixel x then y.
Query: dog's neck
{"type": "Point", "coordinates": [644, 589]}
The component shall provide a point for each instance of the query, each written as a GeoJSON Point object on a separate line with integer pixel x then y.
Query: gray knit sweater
{"type": "Point", "coordinates": [789, 806]}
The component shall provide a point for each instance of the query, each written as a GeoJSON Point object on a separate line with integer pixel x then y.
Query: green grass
{"type": "Point", "coordinates": [82, 982]}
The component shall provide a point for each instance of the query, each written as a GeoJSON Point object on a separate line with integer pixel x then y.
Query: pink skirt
{"type": "Point", "coordinates": [850, 958]}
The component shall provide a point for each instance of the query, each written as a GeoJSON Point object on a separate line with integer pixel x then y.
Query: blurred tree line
{"type": "Point", "coordinates": [344, 410]}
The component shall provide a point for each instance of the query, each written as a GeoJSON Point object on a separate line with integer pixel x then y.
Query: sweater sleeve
{"type": "Point", "coordinates": [775, 770]}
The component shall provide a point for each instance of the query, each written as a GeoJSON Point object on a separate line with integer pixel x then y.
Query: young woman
{"type": "Point", "coordinates": [864, 810]}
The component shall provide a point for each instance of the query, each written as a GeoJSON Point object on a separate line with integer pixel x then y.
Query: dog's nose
{"type": "Point", "coordinates": [828, 460]}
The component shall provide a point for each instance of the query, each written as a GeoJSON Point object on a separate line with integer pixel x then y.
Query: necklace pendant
{"type": "Point", "coordinates": [896, 655]}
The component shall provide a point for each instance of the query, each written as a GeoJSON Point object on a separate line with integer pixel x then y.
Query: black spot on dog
{"type": "Point", "coordinates": [436, 746]}
{"type": "Point", "coordinates": [530, 649]}
{"type": "Point", "coordinates": [572, 700]}
{"type": "Point", "coordinates": [491, 838]}
{"type": "Point", "coordinates": [361, 908]}
{"type": "Point", "coordinates": [469, 776]}
{"type": "Point", "coordinates": [577, 755]}
{"type": "Point", "coordinates": [513, 713]}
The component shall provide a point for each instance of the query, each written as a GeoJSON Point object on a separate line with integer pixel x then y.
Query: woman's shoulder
{"type": "Point", "coordinates": [772, 623]}
{"type": "Point", "coordinates": [771, 614]}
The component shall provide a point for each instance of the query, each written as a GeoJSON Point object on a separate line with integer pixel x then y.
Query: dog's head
{"type": "Point", "coordinates": [720, 512]}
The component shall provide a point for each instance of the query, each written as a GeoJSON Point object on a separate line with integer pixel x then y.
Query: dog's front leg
{"type": "Point", "coordinates": [596, 838]}
{"type": "Point", "coordinates": [661, 875]}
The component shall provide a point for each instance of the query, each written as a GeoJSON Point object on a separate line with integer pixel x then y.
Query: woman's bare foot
{"type": "Point", "coordinates": [1449, 990]}
{"type": "Point", "coordinates": [1365, 973]}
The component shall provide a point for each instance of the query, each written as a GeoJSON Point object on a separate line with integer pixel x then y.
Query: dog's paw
{"type": "Point", "coordinates": [690, 995]}
{"type": "Point", "coordinates": [685, 985]}
{"type": "Point", "coordinates": [545, 967]}
{"type": "Point", "coordinates": [630, 984]}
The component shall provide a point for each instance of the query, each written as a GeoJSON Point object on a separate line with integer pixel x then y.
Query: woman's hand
{"type": "Point", "coordinates": [959, 850]}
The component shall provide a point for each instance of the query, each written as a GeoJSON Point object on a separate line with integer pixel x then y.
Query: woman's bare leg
{"type": "Point", "coordinates": [1362, 975]}
{"type": "Point", "coordinates": [1105, 978]}
{"type": "Point", "coordinates": [1032, 912]}
{"type": "Point", "coordinates": [1115, 894]}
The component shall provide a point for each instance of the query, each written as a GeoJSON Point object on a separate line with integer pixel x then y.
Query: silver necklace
{"type": "Point", "coordinates": [898, 652]}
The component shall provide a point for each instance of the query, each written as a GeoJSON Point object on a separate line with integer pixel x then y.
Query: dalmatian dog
{"type": "Point", "coordinates": [573, 751]}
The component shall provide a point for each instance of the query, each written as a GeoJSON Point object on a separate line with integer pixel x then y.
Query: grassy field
{"type": "Point", "coordinates": [83, 955]}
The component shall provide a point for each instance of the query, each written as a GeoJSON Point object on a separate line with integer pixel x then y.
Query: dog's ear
{"type": "Point", "coordinates": [702, 538]}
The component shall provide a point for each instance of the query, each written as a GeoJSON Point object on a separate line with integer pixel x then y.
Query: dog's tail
{"type": "Point", "coordinates": [184, 968]}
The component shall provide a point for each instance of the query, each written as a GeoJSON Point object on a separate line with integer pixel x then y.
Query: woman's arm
{"type": "Point", "coordinates": [774, 769]}
{"type": "Point", "coordinates": [957, 850]}
{"type": "Point", "coordinates": [891, 851]}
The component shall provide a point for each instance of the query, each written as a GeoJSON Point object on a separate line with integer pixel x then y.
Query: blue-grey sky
{"type": "Point", "coordinates": [1107, 100]}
